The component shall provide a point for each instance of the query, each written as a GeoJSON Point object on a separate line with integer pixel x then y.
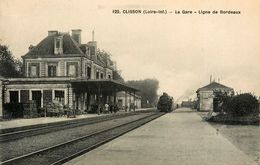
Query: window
{"type": "Point", "coordinates": [109, 76]}
{"type": "Point", "coordinates": [34, 70]}
{"type": "Point", "coordinates": [52, 69]}
{"type": "Point", "coordinates": [58, 45]}
{"type": "Point", "coordinates": [72, 69]}
{"type": "Point", "coordinates": [101, 75]}
{"type": "Point", "coordinates": [59, 96]}
{"type": "Point", "coordinates": [97, 75]}
{"type": "Point", "coordinates": [88, 72]}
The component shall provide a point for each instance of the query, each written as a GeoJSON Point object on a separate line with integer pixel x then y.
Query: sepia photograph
{"type": "Point", "coordinates": [130, 82]}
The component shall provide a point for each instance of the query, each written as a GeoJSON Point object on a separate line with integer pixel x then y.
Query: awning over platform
{"type": "Point", "coordinates": [89, 85]}
{"type": "Point", "coordinates": [102, 84]}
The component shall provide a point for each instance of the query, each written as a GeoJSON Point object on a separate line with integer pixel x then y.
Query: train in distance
{"type": "Point", "coordinates": [165, 103]}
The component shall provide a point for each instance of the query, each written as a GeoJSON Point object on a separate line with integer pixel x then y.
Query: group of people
{"type": "Point", "coordinates": [111, 108]}
{"type": "Point", "coordinates": [131, 107]}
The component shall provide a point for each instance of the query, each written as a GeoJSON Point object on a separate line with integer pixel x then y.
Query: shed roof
{"type": "Point", "coordinates": [214, 85]}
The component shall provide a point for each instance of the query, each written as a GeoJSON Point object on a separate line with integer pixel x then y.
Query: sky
{"type": "Point", "coordinates": [180, 50]}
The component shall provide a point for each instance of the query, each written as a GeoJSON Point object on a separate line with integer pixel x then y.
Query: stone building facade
{"type": "Point", "coordinates": [125, 99]}
{"type": "Point", "coordinates": [63, 69]}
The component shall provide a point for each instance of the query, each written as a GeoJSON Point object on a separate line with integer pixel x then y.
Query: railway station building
{"type": "Point", "coordinates": [60, 68]}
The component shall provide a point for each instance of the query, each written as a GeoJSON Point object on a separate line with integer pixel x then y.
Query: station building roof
{"type": "Point", "coordinates": [214, 86]}
{"type": "Point", "coordinates": [46, 47]}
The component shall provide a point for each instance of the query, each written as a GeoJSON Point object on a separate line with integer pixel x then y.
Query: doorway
{"type": "Point", "coordinates": [37, 97]}
{"type": "Point", "coordinates": [14, 98]}
{"type": "Point", "coordinates": [89, 72]}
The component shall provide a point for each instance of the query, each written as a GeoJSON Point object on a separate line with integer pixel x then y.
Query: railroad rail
{"type": "Point", "coordinates": [26, 131]}
{"type": "Point", "coordinates": [63, 152]}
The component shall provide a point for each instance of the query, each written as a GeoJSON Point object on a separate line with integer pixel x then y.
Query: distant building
{"type": "Point", "coordinates": [126, 99]}
{"type": "Point", "coordinates": [62, 69]}
{"type": "Point", "coordinates": [205, 95]}
{"type": "Point", "coordinates": [189, 104]}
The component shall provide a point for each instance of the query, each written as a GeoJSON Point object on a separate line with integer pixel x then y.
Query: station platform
{"type": "Point", "coordinates": [180, 138]}
{"type": "Point", "coordinates": [14, 123]}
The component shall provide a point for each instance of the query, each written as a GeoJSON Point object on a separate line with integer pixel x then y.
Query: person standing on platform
{"type": "Point", "coordinates": [116, 108]}
{"type": "Point", "coordinates": [111, 107]}
{"type": "Point", "coordinates": [106, 108]}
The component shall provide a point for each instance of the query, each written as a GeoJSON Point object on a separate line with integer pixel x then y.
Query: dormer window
{"type": "Point", "coordinates": [58, 43]}
{"type": "Point", "coordinates": [58, 49]}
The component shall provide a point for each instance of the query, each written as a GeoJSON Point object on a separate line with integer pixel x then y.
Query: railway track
{"type": "Point", "coordinates": [17, 133]}
{"type": "Point", "coordinates": [63, 152]}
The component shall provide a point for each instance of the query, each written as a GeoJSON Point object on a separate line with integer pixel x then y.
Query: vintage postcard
{"type": "Point", "coordinates": [130, 82]}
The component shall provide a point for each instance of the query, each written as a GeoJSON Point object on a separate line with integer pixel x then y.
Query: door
{"type": "Point", "coordinates": [13, 96]}
{"type": "Point", "coordinates": [37, 96]}
{"type": "Point", "coordinates": [120, 103]}
{"type": "Point", "coordinates": [89, 72]}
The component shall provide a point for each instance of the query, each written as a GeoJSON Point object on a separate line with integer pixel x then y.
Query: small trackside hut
{"type": "Point", "coordinates": [206, 96]}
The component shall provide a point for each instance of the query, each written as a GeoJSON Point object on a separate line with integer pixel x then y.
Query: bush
{"type": "Point", "coordinates": [239, 105]}
{"type": "Point", "coordinates": [243, 104]}
{"type": "Point", "coordinates": [221, 101]}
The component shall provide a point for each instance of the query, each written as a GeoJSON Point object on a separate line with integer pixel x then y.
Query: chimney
{"type": "Point", "coordinates": [52, 32]}
{"type": "Point", "coordinates": [76, 35]}
{"type": "Point", "coordinates": [31, 47]}
{"type": "Point", "coordinates": [93, 35]}
{"type": "Point", "coordinates": [93, 49]}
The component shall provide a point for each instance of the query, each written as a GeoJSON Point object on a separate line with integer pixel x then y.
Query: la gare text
{"type": "Point", "coordinates": [177, 12]}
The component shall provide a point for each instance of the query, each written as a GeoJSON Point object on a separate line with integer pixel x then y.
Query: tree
{"type": "Point", "coordinates": [9, 65]}
{"type": "Point", "coordinates": [117, 76]}
{"type": "Point", "coordinates": [106, 56]}
{"type": "Point", "coordinates": [244, 104]}
{"type": "Point", "coordinates": [147, 90]}
{"type": "Point", "coordinates": [239, 105]}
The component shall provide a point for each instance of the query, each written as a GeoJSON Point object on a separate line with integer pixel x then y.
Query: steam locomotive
{"type": "Point", "coordinates": [165, 103]}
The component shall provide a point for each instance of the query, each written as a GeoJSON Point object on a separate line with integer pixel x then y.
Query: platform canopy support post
{"type": "Point", "coordinates": [126, 101]}
{"type": "Point", "coordinates": [134, 101]}
{"type": "Point", "coordinates": [98, 99]}
{"type": "Point", "coordinates": [114, 96]}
